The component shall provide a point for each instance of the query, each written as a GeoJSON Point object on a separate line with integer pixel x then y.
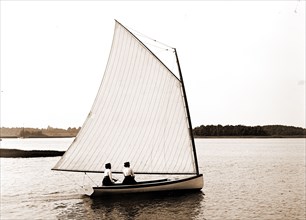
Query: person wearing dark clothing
{"type": "Point", "coordinates": [108, 179]}
{"type": "Point", "coordinates": [129, 177]}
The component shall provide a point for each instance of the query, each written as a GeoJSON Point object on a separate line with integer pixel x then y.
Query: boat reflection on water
{"type": "Point", "coordinates": [176, 205]}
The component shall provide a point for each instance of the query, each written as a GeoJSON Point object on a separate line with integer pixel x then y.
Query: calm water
{"type": "Point", "coordinates": [244, 179]}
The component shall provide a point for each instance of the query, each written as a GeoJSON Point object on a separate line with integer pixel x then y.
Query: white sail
{"type": "Point", "coordinates": [138, 116]}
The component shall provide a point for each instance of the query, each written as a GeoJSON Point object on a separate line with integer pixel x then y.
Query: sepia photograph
{"type": "Point", "coordinates": [152, 110]}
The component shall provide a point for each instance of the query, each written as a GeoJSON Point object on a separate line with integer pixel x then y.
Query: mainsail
{"type": "Point", "coordinates": [139, 115]}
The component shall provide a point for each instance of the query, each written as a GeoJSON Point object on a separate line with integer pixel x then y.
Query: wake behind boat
{"type": "Point", "coordinates": [140, 115]}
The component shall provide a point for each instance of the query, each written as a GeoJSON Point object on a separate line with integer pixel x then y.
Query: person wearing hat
{"type": "Point", "coordinates": [108, 179]}
{"type": "Point", "coordinates": [129, 177]}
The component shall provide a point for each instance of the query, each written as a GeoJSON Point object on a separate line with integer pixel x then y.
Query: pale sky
{"type": "Point", "coordinates": [243, 62]}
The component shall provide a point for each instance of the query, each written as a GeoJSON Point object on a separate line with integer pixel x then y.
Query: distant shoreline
{"type": "Point", "coordinates": [203, 131]}
{"type": "Point", "coordinates": [15, 153]}
{"type": "Point", "coordinates": [242, 131]}
{"type": "Point", "coordinates": [24, 132]}
{"type": "Point", "coordinates": [259, 137]}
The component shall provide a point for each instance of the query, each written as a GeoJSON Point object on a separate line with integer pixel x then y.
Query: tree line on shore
{"type": "Point", "coordinates": [38, 132]}
{"type": "Point", "coordinates": [200, 131]}
{"type": "Point", "coordinates": [241, 130]}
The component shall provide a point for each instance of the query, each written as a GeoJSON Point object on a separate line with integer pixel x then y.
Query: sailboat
{"type": "Point", "coordinates": [140, 115]}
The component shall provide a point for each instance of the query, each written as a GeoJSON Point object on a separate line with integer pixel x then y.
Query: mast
{"type": "Point", "coordinates": [188, 113]}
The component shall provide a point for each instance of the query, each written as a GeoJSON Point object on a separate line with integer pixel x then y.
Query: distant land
{"type": "Point", "coordinates": [203, 131]}
{"type": "Point", "coordinates": [29, 153]}
{"type": "Point", "coordinates": [48, 132]}
{"type": "Point", "coordinates": [268, 131]}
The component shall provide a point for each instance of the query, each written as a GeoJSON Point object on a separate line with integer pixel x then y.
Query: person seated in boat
{"type": "Point", "coordinates": [108, 179]}
{"type": "Point", "coordinates": [129, 177]}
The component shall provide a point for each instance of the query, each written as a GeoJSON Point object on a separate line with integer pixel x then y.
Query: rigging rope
{"type": "Point", "coordinates": [143, 35]}
{"type": "Point", "coordinates": [71, 179]}
{"type": "Point", "coordinates": [81, 186]}
{"type": "Point", "coordinates": [162, 48]}
{"type": "Point", "coordinates": [91, 179]}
